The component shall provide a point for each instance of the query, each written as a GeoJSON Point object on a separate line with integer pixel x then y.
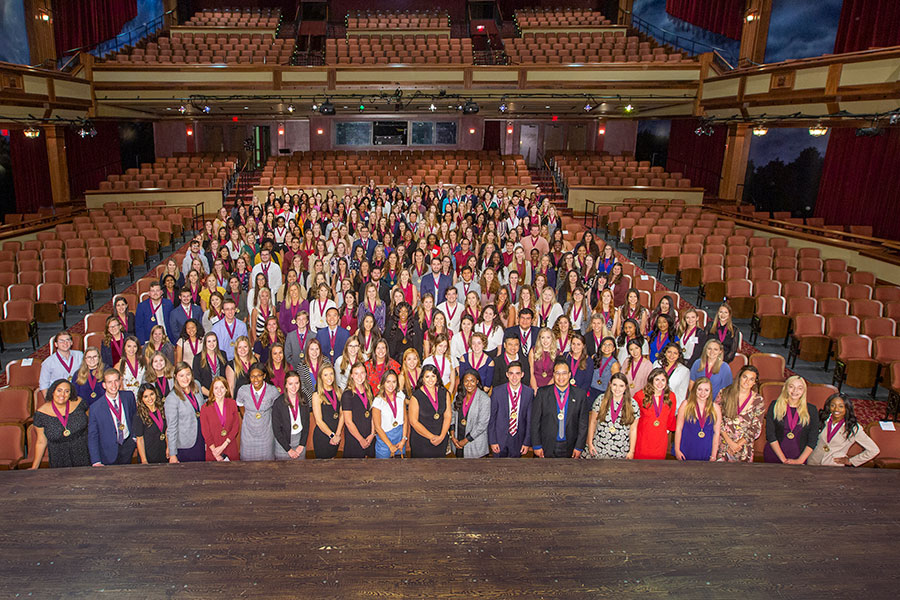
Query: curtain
{"type": "Point", "coordinates": [78, 23]}
{"type": "Point", "coordinates": [92, 159]}
{"type": "Point", "coordinates": [861, 182]}
{"type": "Point", "coordinates": [724, 17]}
{"type": "Point", "coordinates": [699, 158]}
{"type": "Point", "coordinates": [868, 24]}
{"type": "Point", "coordinates": [31, 172]}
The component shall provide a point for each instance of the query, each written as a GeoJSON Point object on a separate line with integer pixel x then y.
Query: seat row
{"type": "Point", "coordinates": [527, 18]}
{"type": "Point", "coordinates": [236, 17]}
{"type": "Point", "coordinates": [399, 49]}
{"type": "Point", "coordinates": [585, 47]}
{"type": "Point", "coordinates": [212, 48]}
{"type": "Point", "coordinates": [390, 20]}
{"type": "Point", "coordinates": [178, 172]}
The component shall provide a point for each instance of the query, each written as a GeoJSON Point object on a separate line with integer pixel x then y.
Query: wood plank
{"type": "Point", "coordinates": [475, 529]}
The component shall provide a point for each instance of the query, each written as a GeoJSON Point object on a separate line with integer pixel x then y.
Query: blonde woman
{"type": "Point", "coordinates": [351, 355]}
{"type": "Point", "coordinates": [541, 358]}
{"type": "Point", "coordinates": [607, 310]}
{"type": "Point", "coordinates": [182, 405]}
{"type": "Point", "coordinates": [410, 370]}
{"type": "Point", "coordinates": [712, 366]}
{"type": "Point", "coordinates": [447, 367]}
{"type": "Point", "coordinates": [131, 366]}
{"type": "Point", "coordinates": [698, 425]}
{"type": "Point", "coordinates": [262, 310]}
{"type": "Point", "coordinates": [328, 416]}
{"type": "Point", "coordinates": [159, 342]}
{"type": "Point", "coordinates": [792, 429]}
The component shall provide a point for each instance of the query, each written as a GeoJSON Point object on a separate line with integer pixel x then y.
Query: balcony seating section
{"type": "Point", "coordinates": [591, 168]}
{"type": "Point", "coordinates": [586, 47]}
{"type": "Point", "coordinates": [212, 48]}
{"type": "Point", "coordinates": [399, 49]}
{"type": "Point", "coordinates": [181, 171]}
{"type": "Point", "coordinates": [431, 166]}
{"type": "Point", "coordinates": [527, 18]}
{"type": "Point", "coordinates": [390, 20]}
{"type": "Point", "coordinates": [236, 17]}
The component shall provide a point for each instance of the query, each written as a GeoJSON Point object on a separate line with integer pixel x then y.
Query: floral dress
{"type": "Point", "coordinates": [746, 425]}
{"type": "Point", "coordinates": [612, 440]}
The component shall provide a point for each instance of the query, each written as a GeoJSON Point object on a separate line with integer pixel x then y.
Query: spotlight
{"type": "Point", "coordinates": [206, 108]}
{"type": "Point", "coordinates": [82, 132]}
{"type": "Point", "coordinates": [895, 118]}
{"type": "Point", "coordinates": [629, 108]}
{"type": "Point", "coordinates": [92, 132]}
{"type": "Point", "coordinates": [281, 129]}
{"type": "Point", "coordinates": [362, 107]}
{"type": "Point", "coordinates": [470, 107]}
{"type": "Point", "coordinates": [588, 107]}
{"type": "Point", "coordinates": [760, 130]}
{"type": "Point", "coordinates": [509, 130]}
{"type": "Point", "coordinates": [601, 130]}
{"type": "Point", "coordinates": [326, 108]}
{"type": "Point", "coordinates": [818, 130]}
{"type": "Point", "coordinates": [704, 129]}
{"type": "Point", "coordinates": [290, 107]}
{"type": "Point", "coordinates": [872, 131]}
{"type": "Point", "coordinates": [432, 107]}
{"type": "Point", "coordinates": [32, 132]}
{"type": "Point", "coordinates": [182, 109]}
{"type": "Point", "coordinates": [472, 131]}
{"type": "Point", "coordinates": [503, 107]}
{"type": "Point", "coordinates": [751, 16]}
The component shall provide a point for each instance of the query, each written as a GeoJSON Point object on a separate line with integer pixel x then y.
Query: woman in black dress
{"type": "Point", "coordinates": [62, 425]}
{"type": "Point", "coordinates": [149, 425]}
{"type": "Point", "coordinates": [328, 415]}
{"type": "Point", "coordinates": [429, 416]}
{"type": "Point", "coordinates": [356, 404]}
{"type": "Point", "coordinates": [403, 331]}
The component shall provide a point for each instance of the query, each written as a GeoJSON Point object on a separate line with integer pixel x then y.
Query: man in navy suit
{"type": "Point", "coordinates": [436, 283]}
{"type": "Point", "coordinates": [525, 332]}
{"type": "Point", "coordinates": [367, 243]}
{"type": "Point", "coordinates": [109, 425]}
{"type": "Point", "coordinates": [333, 337]}
{"type": "Point", "coordinates": [509, 428]}
{"type": "Point", "coordinates": [559, 416]}
{"type": "Point", "coordinates": [152, 312]}
{"type": "Point", "coordinates": [181, 313]}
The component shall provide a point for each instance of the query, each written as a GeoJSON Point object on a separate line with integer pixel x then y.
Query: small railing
{"type": "Point", "coordinates": [684, 43]}
{"type": "Point", "coordinates": [128, 38]}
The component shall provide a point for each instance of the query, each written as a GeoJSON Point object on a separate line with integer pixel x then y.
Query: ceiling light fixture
{"type": "Point", "coordinates": [32, 132]}
{"type": "Point", "coordinates": [760, 130]}
{"type": "Point", "coordinates": [818, 130]}
{"type": "Point", "coordinates": [629, 108]}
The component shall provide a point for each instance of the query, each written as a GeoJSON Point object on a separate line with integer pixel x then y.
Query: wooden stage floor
{"type": "Point", "coordinates": [450, 529]}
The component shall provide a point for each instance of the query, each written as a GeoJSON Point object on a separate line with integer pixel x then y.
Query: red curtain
{"type": "Point", "coordinates": [699, 158]}
{"type": "Point", "coordinates": [78, 23]}
{"type": "Point", "coordinates": [724, 17]}
{"type": "Point", "coordinates": [92, 159]}
{"type": "Point", "coordinates": [861, 182]}
{"type": "Point", "coordinates": [868, 24]}
{"type": "Point", "coordinates": [31, 171]}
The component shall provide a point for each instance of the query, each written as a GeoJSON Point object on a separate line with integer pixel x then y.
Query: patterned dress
{"type": "Point", "coordinates": [612, 440]}
{"type": "Point", "coordinates": [257, 437]}
{"type": "Point", "coordinates": [747, 425]}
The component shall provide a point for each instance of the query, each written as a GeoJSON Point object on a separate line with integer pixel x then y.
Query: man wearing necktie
{"type": "Point", "coordinates": [559, 416]}
{"type": "Point", "coordinates": [333, 337]}
{"type": "Point", "coordinates": [109, 435]}
{"type": "Point", "coordinates": [509, 428]}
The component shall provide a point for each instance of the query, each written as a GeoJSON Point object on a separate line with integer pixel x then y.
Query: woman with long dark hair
{"type": "Point", "coordinates": [838, 431]}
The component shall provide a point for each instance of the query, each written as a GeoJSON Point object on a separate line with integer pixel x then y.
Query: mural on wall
{"type": "Point", "coordinates": [787, 40]}
{"type": "Point", "coordinates": [784, 171]}
{"type": "Point", "coordinates": [13, 39]}
{"type": "Point", "coordinates": [665, 27]}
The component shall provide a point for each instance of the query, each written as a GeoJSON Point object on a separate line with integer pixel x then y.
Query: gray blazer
{"type": "Point", "coordinates": [477, 425]}
{"type": "Point", "coordinates": [181, 422]}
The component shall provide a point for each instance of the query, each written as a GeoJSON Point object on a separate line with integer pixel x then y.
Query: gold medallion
{"type": "Point", "coordinates": [259, 415]}
{"type": "Point", "coordinates": [296, 427]}
{"type": "Point", "coordinates": [436, 416]}
{"type": "Point", "coordinates": [404, 340]}
{"type": "Point", "coordinates": [121, 426]}
{"type": "Point", "coordinates": [162, 437]}
{"type": "Point", "coordinates": [612, 428]}
{"type": "Point", "coordinates": [656, 423]}
{"type": "Point", "coordinates": [701, 434]}
{"type": "Point", "coordinates": [224, 432]}
{"type": "Point", "coordinates": [293, 321]}
{"type": "Point", "coordinates": [66, 433]}
{"type": "Point", "coordinates": [826, 448]}
{"type": "Point", "coordinates": [560, 416]}
{"type": "Point", "coordinates": [395, 424]}
{"type": "Point", "coordinates": [367, 414]}
{"type": "Point", "coordinates": [198, 414]}
{"type": "Point", "coordinates": [543, 373]}
{"type": "Point", "coordinates": [93, 394]}
{"type": "Point", "coordinates": [572, 381]}
{"type": "Point", "coordinates": [790, 435]}
{"type": "Point", "coordinates": [336, 416]}
{"type": "Point", "coordinates": [462, 422]}
{"type": "Point", "coordinates": [301, 355]}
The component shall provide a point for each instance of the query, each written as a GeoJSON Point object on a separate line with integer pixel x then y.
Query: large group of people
{"type": "Point", "coordinates": [414, 322]}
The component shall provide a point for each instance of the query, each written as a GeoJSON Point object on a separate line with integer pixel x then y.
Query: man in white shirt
{"type": "Point", "coordinates": [268, 268]}
{"type": "Point", "coordinates": [452, 310]}
{"type": "Point", "coordinates": [62, 364]}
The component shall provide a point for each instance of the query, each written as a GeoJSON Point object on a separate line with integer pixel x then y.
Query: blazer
{"type": "Point", "coordinates": [292, 346]}
{"type": "Point", "coordinates": [477, 422]}
{"type": "Point", "coordinates": [181, 422]}
{"type": "Point", "coordinates": [427, 286]}
{"type": "Point", "coordinates": [177, 319]}
{"type": "Point", "coordinates": [281, 422]}
{"type": "Point", "coordinates": [395, 337]}
{"type": "Point", "coordinates": [369, 247]}
{"type": "Point", "coordinates": [211, 428]}
{"type": "Point", "coordinates": [515, 331]}
{"type": "Point", "coordinates": [498, 429]}
{"type": "Point", "coordinates": [102, 443]}
{"type": "Point", "coordinates": [500, 368]}
{"type": "Point", "coordinates": [340, 338]}
{"type": "Point", "coordinates": [544, 422]}
{"type": "Point", "coordinates": [142, 316]}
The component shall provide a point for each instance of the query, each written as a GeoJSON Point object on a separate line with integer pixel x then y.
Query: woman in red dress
{"type": "Point", "coordinates": [658, 417]}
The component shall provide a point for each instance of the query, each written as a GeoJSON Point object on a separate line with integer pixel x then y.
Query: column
{"type": "Point", "coordinates": [755, 32]}
{"type": "Point", "coordinates": [56, 161]}
{"type": "Point", "coordinates": [734, 166]}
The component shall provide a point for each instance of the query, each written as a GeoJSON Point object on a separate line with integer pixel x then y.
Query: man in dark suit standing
{"type": "Point", "coordinates": [181, 313]}
{"type": "Point", "coordinates": [367, 243]}
{"type": "Point", "coordinates": [152, 312]}
{"type": "Point", "coordinates": [525, 332]}
{"type": "Point", "coordinates": [109, 433]}
{"type": "Point", "coordinates": [509, 353]}
{"type": "Point", "coordinates": [559, 416]}
{"type": "Point", "coordinates": [436, 283]}
{"type": "Point", "coordinates": [509, 428]}
{"type": "Point", "coordinates": [333, 337]}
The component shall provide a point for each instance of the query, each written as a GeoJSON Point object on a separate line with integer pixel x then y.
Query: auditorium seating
{"type": "Point", "coordinates": [585, 47]}
{"type": "Point", "coordinates": [211, 48]}
{"type": "Point", "coordinates": [590, 168]}
{"type": "Point", "coordinates": [389, 20]}
{"type": "Point", "coordinates": [431, 166]}
{"type": "Point", "coordinates": [180, 171]}
{"type": "Point", "coordinates": [417, 48]}
{"type": "Point", "coordinates": [236, 17]}
{"type": "Point", "coordinates": [528, 18]}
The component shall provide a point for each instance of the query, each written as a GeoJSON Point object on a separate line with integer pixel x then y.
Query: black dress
{"type": "Point", "coordinates": [398, 342]}
{"type": "Point", "coordinates": [154, 439]}
{"type": "Point", "coordinates": [71, 450]}
{"type": "Point", "coordinates": [321, 443]}
{"type": "Point", "coordinates": [362, 418]}
{"type": "Point", "coordinates": [421, 447]}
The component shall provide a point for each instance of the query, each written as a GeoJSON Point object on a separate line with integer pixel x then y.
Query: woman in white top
{"type": "Point", "coordinates": [318, 308]}
{"type": "Point", "coordinates": [344, 363]}
{"type": "Point", "coordinates": [671, 361]}
{"type": "Point", "coordinates": [548, 309]}
{"type": "Point", "coordinates": [520, 264]}
{"type": "Point", "coordinates": [491, 328]}
{"type": "Point", "coordinates": [460, 344]}
{"type": "Point", "coordinates": [838, 431]}
{"type": "Point", "coordinates": [446, 365]}
{"type": "Point", "coordinates": [389, 418]}
{"type": "Point", "coordinates": [189, 344]}
{"type": "Point", "coordinates": [131, 366]}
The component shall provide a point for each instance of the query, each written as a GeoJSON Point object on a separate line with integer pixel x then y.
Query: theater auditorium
{"type": "Point", "coordinates": [449, 298]}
